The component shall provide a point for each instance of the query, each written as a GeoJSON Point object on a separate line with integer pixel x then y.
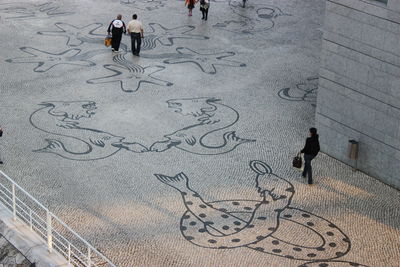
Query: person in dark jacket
{"type": "Point", "coordinates": [117, 27]}
{"type": "Point", "coordinates": [310, 151]}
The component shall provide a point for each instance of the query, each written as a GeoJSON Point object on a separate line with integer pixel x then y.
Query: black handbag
{"type": "Point", "coordinates": [297, 161]}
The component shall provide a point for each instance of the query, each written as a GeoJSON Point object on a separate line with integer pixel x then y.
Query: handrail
{"type": "Point", "coordinates": [20, 188]}
{"type": "Point", "coordinates": [44, 226]}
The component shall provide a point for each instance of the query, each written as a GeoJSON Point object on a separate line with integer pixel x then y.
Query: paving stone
{"type": "Point", "coordinates": [10, 256]}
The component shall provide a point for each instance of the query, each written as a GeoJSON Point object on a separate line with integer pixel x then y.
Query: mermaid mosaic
{"type": "Point", "coordinates": [259, 224]}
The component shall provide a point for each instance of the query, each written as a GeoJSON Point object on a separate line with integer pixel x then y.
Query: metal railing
{"type": "Point", "coordinates": [52, 230]}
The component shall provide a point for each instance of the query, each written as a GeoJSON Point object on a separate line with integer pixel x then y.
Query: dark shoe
{"type": "Point", "coordinates": [1, 162]}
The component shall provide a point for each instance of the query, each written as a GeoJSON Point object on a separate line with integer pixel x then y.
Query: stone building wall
{"type": "Point", "coordinates": [359, 87]}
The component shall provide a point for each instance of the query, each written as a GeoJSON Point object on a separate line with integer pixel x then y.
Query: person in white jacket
{"type": "Point", "coordinates": [117, 28]}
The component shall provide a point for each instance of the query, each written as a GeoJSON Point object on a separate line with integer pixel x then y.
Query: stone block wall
{"type": "Point", "coordinates": [359, 86]}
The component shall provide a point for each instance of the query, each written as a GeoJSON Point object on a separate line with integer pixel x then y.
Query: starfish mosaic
{"type": "Point", "coordinates": [75, 35]}
{"type": "Point", "coordinates": [131, 77]}
{"type": "Point", "coordinates": [27, 10]}
{"type": "Point", "coordinates": [206, 62]}
{"type": "Point", "coordinates": [46, 60]}
{"type": "Point", "coordinates": [166, 36]}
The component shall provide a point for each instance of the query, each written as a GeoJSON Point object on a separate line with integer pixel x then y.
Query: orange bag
{"type": "Point", "coordinates": [107, 41]}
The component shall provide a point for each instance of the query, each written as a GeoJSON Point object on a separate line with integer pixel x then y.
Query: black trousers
{"type": "Point", "coordinates": [116, 39]}
{"type": "Point", "coordinates": [204, 12]}
{"type": "Point", "coordinates": [136, 42]}
{"type": "Point", "coordinates": [307, 167]}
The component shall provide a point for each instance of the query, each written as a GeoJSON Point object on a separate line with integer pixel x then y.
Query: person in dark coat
{"type": "Point", "coordinates": [204, 6]}
{"type": "Point", "coordinates": [117, 27]}
{"type": "Point", "coordinates": [310, 151]}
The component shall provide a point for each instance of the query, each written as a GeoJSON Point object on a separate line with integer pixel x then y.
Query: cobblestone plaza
{"type": "Point", "coordinates": [167, 159]}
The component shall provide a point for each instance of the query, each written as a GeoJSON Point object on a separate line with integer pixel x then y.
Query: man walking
{"type": "Point", "coordinates": [310, 151]}
{"type": "Point", "coordinates": [1, 134]}
{"type": "Point", "coordinates": [118, 27]}
{"type": "Point", "coordinates": [135, 29]}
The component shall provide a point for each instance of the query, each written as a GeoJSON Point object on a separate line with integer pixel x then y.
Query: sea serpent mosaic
{"type": "Point", "coordinates": [255, 224]}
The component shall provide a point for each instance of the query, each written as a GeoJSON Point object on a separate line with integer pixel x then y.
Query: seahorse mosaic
{"type": "Point", "coordinates": [255, 224]}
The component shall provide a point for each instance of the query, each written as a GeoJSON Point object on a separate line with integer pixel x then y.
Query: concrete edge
{"type": "Point", "coordinates": [28, 242]}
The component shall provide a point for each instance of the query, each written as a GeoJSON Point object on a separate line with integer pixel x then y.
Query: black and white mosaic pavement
{"type": "Point", "coordinates": [182, 156]}
{"type": "Point", "coordinates": [10, 256]}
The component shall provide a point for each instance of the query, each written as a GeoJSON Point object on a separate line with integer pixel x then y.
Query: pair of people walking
{"type": "Point", "coordinates": [204, 6]}
{"type": "Point", "coordinates": [135, 29]}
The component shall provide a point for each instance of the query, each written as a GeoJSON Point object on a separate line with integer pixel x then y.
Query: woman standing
{"type": "Point", "coordinates": [204, 6]}
{"type": "Point", "coordinates": [190, 4]}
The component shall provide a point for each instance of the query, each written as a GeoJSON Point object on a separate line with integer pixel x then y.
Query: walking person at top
{"type": "Point", "coordinates": [116, 27]}
{"type": "Point", "coordinates": [310, 151]}
{"type": "Point", "coordinates": [135, 29]}
{"type": "Point", "coordinates": [190, 5]}
{"type": "Point", "coordinates": [204, 6]}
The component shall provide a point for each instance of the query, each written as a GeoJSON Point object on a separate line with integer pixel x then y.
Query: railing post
{"type": "Point", "coordinates": [14, 206]}
{"type": "Point", "coordinates": [89, 259]}
{"type": "Point", "coordinates": [30, 219]}
{"type": "Point", "coordinates": [49, 232]}
{"type": "Point", "coordinates": [69, 252]}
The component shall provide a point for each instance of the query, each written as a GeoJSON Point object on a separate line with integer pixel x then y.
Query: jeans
{"type": "Point", "coordinates": [136, 39]}
{"type": "Point", "coordinates": [307, 167]}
